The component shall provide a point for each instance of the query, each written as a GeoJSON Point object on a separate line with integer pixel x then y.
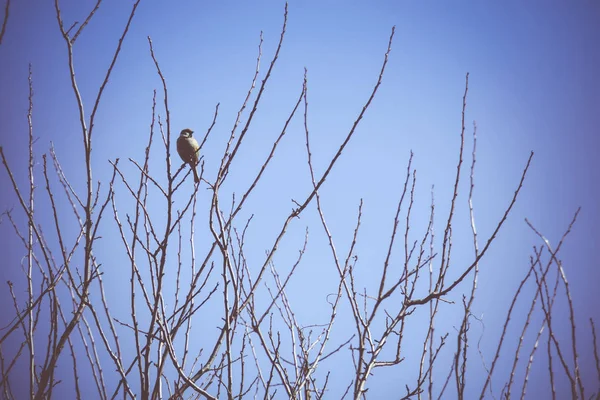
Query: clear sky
{"type": "Point", "coordinates": [533, 86]}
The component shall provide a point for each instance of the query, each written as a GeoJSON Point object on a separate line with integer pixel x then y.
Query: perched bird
{"type": "Point", "coordinates": [188, 149]}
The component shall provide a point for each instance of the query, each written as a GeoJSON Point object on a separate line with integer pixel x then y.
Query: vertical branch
{"type": "Point", "coordinates": [143, 377]}
{"type": "Point", "coordinates": [572, 321]}
{"type": "Point", "coordinates": [433, 306]}
{"type": "Point", "coordinates": [596, 357]}
{"type": "Point", "coordinates": [29, 336]}
{"type": "Point", "coordinates": [386, 263]}
{"type": "Point", "coordinates": [167, 113]}
{"type": "Point", "coordinates": [463, 337]}
{"type": "Point", "coordinates": [447, 232]}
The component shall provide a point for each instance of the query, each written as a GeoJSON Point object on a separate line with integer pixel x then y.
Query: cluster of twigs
{"type": "Point", "coordinates": [260, 348]}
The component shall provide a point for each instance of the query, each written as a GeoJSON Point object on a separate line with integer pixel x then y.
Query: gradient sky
{"type": "Point", "coordinates": [533, 86]}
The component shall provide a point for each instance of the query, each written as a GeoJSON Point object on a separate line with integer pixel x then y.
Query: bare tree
{"type": "Point", "coordinates": [260, 348]}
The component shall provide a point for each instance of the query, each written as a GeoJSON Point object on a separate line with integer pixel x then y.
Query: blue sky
{"type": "Point", "coordinates": [533, 86]}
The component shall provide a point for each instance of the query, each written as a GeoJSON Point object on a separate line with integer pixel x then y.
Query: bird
{"type": "Point", "coordinates": [188, 150]}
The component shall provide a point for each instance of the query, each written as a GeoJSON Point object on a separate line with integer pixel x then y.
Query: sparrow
{"type": "Point", "coordinates": [188, 149]}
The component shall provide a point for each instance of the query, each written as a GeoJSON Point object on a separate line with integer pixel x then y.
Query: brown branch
{"type": "Point", "coordinates": [595, 346]}
{"type": "Point", "coordinates": [5, 20]}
